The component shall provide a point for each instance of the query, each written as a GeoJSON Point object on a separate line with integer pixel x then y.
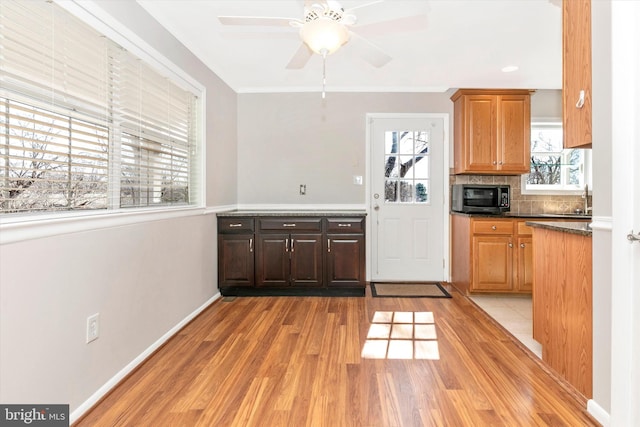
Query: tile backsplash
{"type": "Point", "coordinates": [526, 203]}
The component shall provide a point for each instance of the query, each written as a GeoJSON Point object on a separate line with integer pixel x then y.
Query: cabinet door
{"type": "Point", "coordinates": [235, 260]}
{"type": "Point", "coordinates": [524, 264]}
{"type": "Point", "coordinates": [514, 133]}
{"type": "Point", "coordinates": [576, 73]}
{"type": "Point", "coordinates": [272, 260]}
{"type": "Point", "coordinates": [492, 264]}
{"type": "Point", "coordinates": [480, 132]}
{"type": "Point", "coordinates": [345, 260]}
{"type": "Point", "coordinates": [306, 259]}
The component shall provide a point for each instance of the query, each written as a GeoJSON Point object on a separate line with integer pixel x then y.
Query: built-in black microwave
{"type": "Point", "coordinates": [479, 198]}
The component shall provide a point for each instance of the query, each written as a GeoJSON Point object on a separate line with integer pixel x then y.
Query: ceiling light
{"type": "Point", "coordinates": [324, 35]}
{"type": "Point", "coordinates": [510, 68]}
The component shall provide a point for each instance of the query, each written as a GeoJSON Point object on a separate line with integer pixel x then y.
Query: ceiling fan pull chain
{"type": "Point", "coordinates": [324, 73]}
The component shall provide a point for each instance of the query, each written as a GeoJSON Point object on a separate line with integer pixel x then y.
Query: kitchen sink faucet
{"type": "Point", "coordinates": [585, 195]}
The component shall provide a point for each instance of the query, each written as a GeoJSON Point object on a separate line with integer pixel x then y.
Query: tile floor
{"type": "Point", "coordinates": [514, 313]}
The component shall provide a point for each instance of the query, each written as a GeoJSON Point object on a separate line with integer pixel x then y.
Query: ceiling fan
{"type": "Point", "coordinates": [326, 26]}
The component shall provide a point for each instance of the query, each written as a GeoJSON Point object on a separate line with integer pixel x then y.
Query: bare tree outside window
{"type": "Point", "coordinates": [553, 167]}
{"type": "Point", "coordinates": [406, 168]}
{"type": "Point", "coordinates": [50, 161]}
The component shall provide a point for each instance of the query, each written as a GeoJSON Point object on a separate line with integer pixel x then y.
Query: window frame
{"type": "Point", "coordinates": [30, 225]}
{"type": "Point", "coordinates": [547, 189]}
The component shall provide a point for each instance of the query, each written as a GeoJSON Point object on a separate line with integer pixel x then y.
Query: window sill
{"type": "Point", "coordinates": [552, 192]}
{"type": "Point", "coordinates": [21, 228]}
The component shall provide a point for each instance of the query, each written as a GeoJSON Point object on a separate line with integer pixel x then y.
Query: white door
{"type": "Point", "coordinates": [407, 181]}
{"type": "Point", "coordinates": [625, 265]}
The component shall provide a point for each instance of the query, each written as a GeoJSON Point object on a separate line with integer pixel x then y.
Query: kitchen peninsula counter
{"type": "Point", "coordinates": [562, 299]}
{"type": "Point", "coordinates": [575, 227]}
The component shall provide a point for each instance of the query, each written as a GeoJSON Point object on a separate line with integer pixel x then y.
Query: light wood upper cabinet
{"type": "Point", "coordinates": [492, 131]}
{"type": "Point", "coordinates": [576, 73]}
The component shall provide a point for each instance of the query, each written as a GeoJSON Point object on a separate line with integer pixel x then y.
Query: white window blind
{"type": "Point", "coordinates": [85, 124]}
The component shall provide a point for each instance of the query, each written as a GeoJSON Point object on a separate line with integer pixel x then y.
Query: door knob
{"type": "Point", "coordinates": [633, 237]}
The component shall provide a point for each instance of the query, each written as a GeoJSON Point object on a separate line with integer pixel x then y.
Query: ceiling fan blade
{"type": "Point", "coordinates": [300, 58]}
{"type": "Point", "coordinates": [370, 52]}
{"type": "Point", "coordinates": [393, 26]}
{"type": "Point", "coordinates": [257, 20]}
{"type": "Point", "coordinates": [363, 5]}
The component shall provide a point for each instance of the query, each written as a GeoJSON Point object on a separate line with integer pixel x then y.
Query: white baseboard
{"type": "Point", "coordinates": [102, 391]}
{"type": "Point", "coordinates": [598, 413]}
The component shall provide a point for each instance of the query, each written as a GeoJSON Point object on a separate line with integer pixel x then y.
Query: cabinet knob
{"type": "Point", "coordinates": [510, 245]}
{"type": "Point", "coordinates": [522, 245]}
{"type": "Point", "coordinates": [495, 163]}
{"type": "Point", "coordinates": [493, 227]}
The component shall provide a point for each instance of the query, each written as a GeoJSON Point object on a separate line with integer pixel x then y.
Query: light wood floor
{"type": "Point", "coordinates": [289, 361]}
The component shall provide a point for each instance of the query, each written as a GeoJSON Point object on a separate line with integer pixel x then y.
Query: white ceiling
{"type": "Point", "coordinates": [465, 43]}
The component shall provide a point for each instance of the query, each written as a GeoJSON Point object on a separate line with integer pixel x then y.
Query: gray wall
{"type": "Point", "coordinates": [288, 139]}
{"type": "Point", "coordinates": [143, 278]}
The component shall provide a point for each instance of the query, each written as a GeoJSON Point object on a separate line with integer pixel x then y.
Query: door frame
{"type": "Point", "coordinates": [625, 301]}
{"type": "Point", "coordinates": [369, 118]}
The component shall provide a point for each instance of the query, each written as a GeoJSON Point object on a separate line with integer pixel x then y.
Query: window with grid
{"type": "Point", "coordinates": [406, 167]}
{"type": "Point", "coordinates": [84, 123]}
{"type": "Point", "coordinates": [554, 169]}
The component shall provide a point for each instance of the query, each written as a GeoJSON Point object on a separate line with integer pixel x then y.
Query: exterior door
{"type": "Point", "coordinates": [407, 197]}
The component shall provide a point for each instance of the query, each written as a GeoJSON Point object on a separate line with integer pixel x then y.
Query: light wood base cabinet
{"type": "Point", "coordinates": [562, 304]}
{"type": "Point", "coordinates": [491, 255]}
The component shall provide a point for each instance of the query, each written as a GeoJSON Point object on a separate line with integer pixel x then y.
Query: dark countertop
{"type": "Point", "coordinates": [292, 213]}
{"type": "Point", "coordinates": [573, 227]}
{"type": "Point", "coordinates": [525, 216]}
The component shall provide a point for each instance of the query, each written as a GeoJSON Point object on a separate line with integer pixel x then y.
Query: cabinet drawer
{"type": "Point", "coordinates": [235, 225]}
{"type": "Point", "coordinates": [524, 229]}
{"type": "Point", "coordinates": [345, 225]}
{"type": "Point", "coordinates": [493, 226]}
{"type": "Point", "coordinates": [291, 224]}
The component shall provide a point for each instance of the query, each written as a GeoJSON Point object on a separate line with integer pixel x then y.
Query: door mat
{"type": "Point", "coordinates": [409, 290]}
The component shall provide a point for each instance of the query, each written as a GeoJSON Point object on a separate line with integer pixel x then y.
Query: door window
{"type": "Point", "coordinates": [406, 167]}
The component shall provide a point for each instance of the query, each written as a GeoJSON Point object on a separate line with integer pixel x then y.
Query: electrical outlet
{"type": "Point", "coordinates": [303, 189]}
{"type": "Point", "coordinates": [93, 327]}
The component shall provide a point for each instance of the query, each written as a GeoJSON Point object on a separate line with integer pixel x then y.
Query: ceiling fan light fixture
{"type": "Point", "coordinates": [324, 35]}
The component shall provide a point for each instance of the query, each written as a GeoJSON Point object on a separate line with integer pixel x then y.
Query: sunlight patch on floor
{"type": "Point", "coordinates": [401, 335]}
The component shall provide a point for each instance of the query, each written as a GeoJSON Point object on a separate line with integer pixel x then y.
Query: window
{"type": "Point", "coordinates": [84, 123]}
{"type": "Point", "coordinates": [554, 170]}
{"type": "Point", "coordinates": [406, 167]}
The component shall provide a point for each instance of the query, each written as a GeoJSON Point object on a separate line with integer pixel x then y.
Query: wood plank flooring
{"type": "Point", "coordinates": [298, 361]}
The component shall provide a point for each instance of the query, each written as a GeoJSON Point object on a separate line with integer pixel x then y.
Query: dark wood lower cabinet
{"type": "Point", "coordinates": [306, 260]}
{"type": "Point", "coordinates": [289, 260]}
{"type": "Point", "coordinates": [264, 255]}
{"type": "Point", "coordinates": [345, 259]}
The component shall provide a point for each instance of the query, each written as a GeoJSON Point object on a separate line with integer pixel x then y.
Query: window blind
{"type": "Point", "coordinates": [84, 123]}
